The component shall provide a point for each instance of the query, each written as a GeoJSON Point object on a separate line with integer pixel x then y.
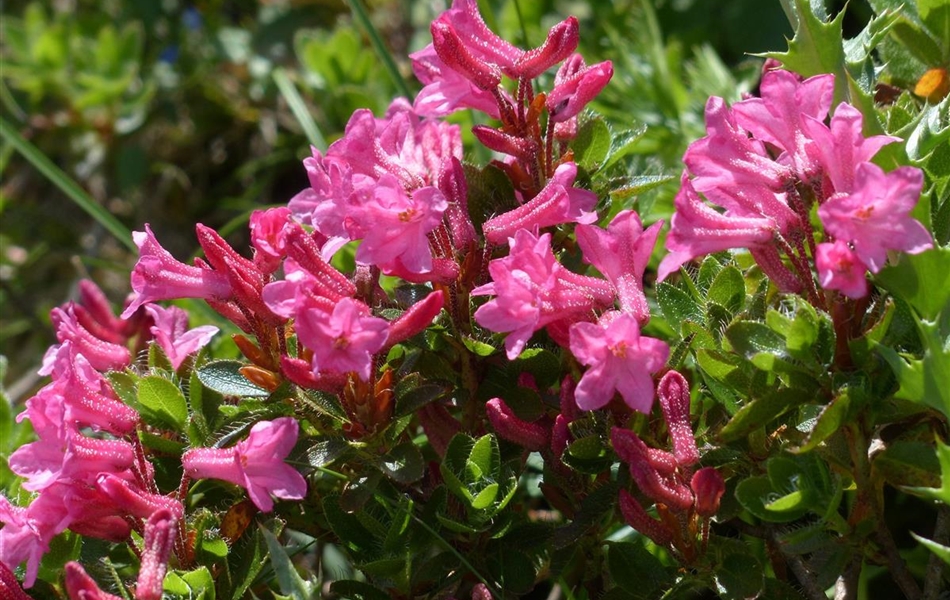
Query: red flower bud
{"type": "Point", "coordinates": [673, 391]}
{"type": "Point", "coordinates": [708, 487]}
{"type": "Point", "coordinates": [508, 426]}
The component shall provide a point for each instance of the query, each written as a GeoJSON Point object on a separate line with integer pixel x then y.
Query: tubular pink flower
{"type": "Point", "coordinates": [533, 290]}
{"type": "Point", "coordinates": [102, 355]}
{"type": "Point", "coordinates": [575, 86]}
{"type": "Point", "coordinates": [558, 202]}
{"type": "Point", "coordinates": [708, 488]}
{"type": "Point", "coordinates": [561, 41]}
{"type": "Point", "coordinates": [9, 586]}
{"type": "Point", "coordinates": [98, 308]}
{"type": "Point", "coordinates": [660, 487]}
{"type": "Point", "coordinates": [256, 463]}
{"type": "Point", "coordinates": [483, 44]}
{"type": "Point", "coordinates": [778, 117]}
{"type": "Point", "coordinates": [27, 533]}
{"type": "Point", "coordinates": [839, 268]}
{"type": "Point", "coordinates": [508, 426]}
{"type": "Point", "coordinates": [173, 336]}
{"type": "Point", "coordinates": [621, 253]}
{"type": "Point", "coordinates": [159, 538]}
{"type": "Point", "coordinates": [875, 216]}
{"type": "Point", "coordinates": [445, 90]}
{"type": "Point", "coordinates": [268, 232]}
{"type": "Point", "coordinates": [638, 518]}
{"type": "Point", "coordinates": [246, 279]}
{"type": "Point", "coordinates": [620, 360]}
{"type": "Point", "coordinates": [80, 586]}
{"type": "Point", "coordinates": [416, 318]}
{"type": "Point", "coordinates": [673, 391]}
{"type": "Point", "coordinates": [343, 341]}
{"type": "Point", "coordinates": [696, 229]}
{"type": "Point", "coordinates": [325, 280]}
{"type": "Point", "coordinates": [158, 276]}
{"type": "Point", "coordinates": [89, 400]}
{"type": "Point", "coordinates": [841, 147]}
{"type": "Point", "coordinates": [455, 54]}
{"type": "Point", "coordinates": [128, 499]}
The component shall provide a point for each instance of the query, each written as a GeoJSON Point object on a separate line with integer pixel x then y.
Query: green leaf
{"type": "Point", "coordinates": [755, 493]}
{"type": "Point", "coordinates": [909, 463]}
{"type": "Point", "coordinates": [817, 46]}
{"type": "Point", "coordinates": [832, 417]}
{"type": "Point", "coordinates": [924, 380]}
{"type": "Point", "coordinates": [636, 570]}
{"type": "Point", "coordinates": [412, 393]}
{"type": "Point", "coordinates": [290, 582]}
{"type": "Point", "coordinates": [297, 106]}
{"type": "Point", "coordinates": [761, 411]}
{"type": "Point", "coordinates": [403, 464]}
{"type": "Point", "coordinates": [162, 403]}
{"type": "Point", "coordinates": [322, 402]}
{"type": "Point", "coordinates": [326, 451]}
{"type": "Point", "coordinates": [922, 280]}
{"type": "Point", "coordinates": [629, 187]}
{"type": "Point", "coordinates": [678, 306]}
{"type": "Point", "coordinates": [486, 497]}
{"type": "Point", "coordinates": [591, 144]}
{"type": "Point", "coordinates": [752, 337]}
{"type": "Point", "coordinates": [942, 552]}
{"type": "Point", "coordinates": [942, 493]}
{"type": "Point", "coordinates": [936, 16]}
{"type": "Point", "coordinates": [245, 560]}
{"type": "Point", "coordinates": [485, 458]}
{"type": "Point", "coordinates": [512, 570]}
{"type": "Point", "coordinates": [224, 377]}
{"type": "Point", "coordinates": [740, 575]}
{"type": "Point", "coordinates": [728, 289]}
{"type": "Point", "coordinates": [348, 528]}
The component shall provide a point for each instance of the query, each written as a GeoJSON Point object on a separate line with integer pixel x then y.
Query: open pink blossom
{"type": "Point", "coordinates": [875, 216]}
{"type": "Point", "coordinates": [558, 202]}
{"type": "Point", "coordinates": [256, 463]}
{"type": "Point", "coordinates": [620, 360]}
{"type": "Point", "coordinates": [841, 146]}
{"type": "Point", "coordinates": [28, 531]}
{"type": "Point", "coordinates": [621, 253]}
{"type": "Point", "coordinates": [839, 268]}
{"type": "Point", "coordinates": [343, 340]}
{"type": "Point", "coordinates": [779, 116]}
{"type": "Point", "coordinates": [532, 290]}
{"type": "Point", "coordinates": [696, 229]}
{"type": "Point", "coordinates": [158, 276]}
{"type": "Point", "coordinates": [464, 19]}
{"type": "Point", "coordinates": [575, 85]}
{"type": "Point", "coordinates": [173, 336]}
{"type": "Point", "coordinates": [445, 90]}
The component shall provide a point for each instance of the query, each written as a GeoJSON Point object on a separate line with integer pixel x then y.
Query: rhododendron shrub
{"type": "Point", "coordinates": [519, 387]}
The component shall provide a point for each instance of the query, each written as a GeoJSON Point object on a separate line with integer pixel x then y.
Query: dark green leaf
{"type": "Point", "coordinates": [290, 582]}
{"type": "Point", "coordinates": [831, 419]}
{"type": "Point", "coordinates": [357, 590]}
{"type": "Point", "coordinates": [909, 463]}
{"type": "Point", "coordinates": [490, 193]}
{"type": "Point", "coordinates": [326, 451]}
{"type": "Point", "coordinates": [751, 337]}
{"type": "Point", "coordinates": [403, 464]}
{"type": "Point", "coordinates": [755, 493]}
{"type": "Point", "coordinates": [678, 306]}
{"type": "Point", "coordinates": [740, 575]}
{"type": "Point", "coordinates": [636, 570]}
{"type": "Point", "coordinates": [224, 377]}
{"type": "Point", "coordinates": [412, 393]}
{"type": "Point", "coordinates": [728, 290]}
{"type": "Point", "coordinates": [761, 411]}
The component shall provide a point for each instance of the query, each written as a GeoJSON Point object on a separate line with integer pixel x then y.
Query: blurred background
{"type": "Point", "coordinates": [170, 112]}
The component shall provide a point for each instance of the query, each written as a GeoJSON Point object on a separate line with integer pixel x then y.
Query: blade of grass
{"type": "Point", "coordinates": [69, 187]}
{"type": "Point", "coordinates": [299, 108]}
{"type": "Point", "coordinates": [356, 7]}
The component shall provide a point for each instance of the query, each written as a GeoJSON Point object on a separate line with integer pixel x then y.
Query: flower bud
{"type": "Point", "coordinates": [452, 51]}
{"type": "Point", "coordinates": [159, 538]}
{"type": "Point", "coordinates": [561, 42]}
{"type": "Point", "coordinates": [508, 426]}
{"type": "Point", "coordinates": [638, 518]}
{"type": "Point", "coordinates": [80, 586]}
{"type": "Point", "coordinates": [708, 488]}
{"type": "Point", "coordinates": [673, 392]}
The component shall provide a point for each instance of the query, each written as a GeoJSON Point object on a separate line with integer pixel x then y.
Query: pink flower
{"type": "Point", "coordinates": [80, 586]}
{"type": "Point", "coordinates": [464, 20]}
{"type": "Point", "coordinates": [696, 229]}
{"type": "Point", "coordinates": [875, 216]}
{"type": "Point", "coordinates": [558, 202]}
{"type": "Point", "coordinates": [89, 399]}
{"type": "Point", "coordinates": [256, 463]}
{"type": "Point", "coordinates": [621, 253]}
{"type": "Point", "coordinates": [575, 85]}
{"type": "Point", "coordinates": [533, 290]}
{"type": "Point", "coordinates": [841, 147]}
{"type": "Point", "coordinates": [268, 232]}
{"type": "Point", "coordinates": [507, 425]}
{"type": "Point", "coordinates": [157, 545]}
{"type": "Point", "coordinates": [102, 355]}
{"type": "Point", "coordinates": [620, 360]}
{"type": "Point", "coordinates": [445, 90]}
{"type": "Point", "coordinates": [173, 336]}
{"type": "Point", "coordinates": [27, 533]}
{"type": "Point", "coordinates": [395, 226]}
{"type": "Point", "coordinates": [778, 117]}
{"type": "Point", "coordinates": [343, 340]}
{"type": "Point", "coordinates": [158, 276]}
{"type": "Point", "coordinates": [839, 268]}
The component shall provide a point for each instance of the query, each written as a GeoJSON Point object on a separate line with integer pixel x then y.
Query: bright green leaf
{"type": "Point", "coordinates": [162, 403]}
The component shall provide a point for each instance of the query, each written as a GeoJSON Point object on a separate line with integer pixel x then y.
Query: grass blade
{"type": "Point", "coordinates": [69, 187]}
{"type": "Point", "coordinates": [299, 108]}
{"type": "Point", "coordinates": [356, 7]}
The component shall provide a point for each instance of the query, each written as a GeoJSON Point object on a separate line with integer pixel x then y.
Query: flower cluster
{"type": "Point", "coordinates": [766, 161]}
